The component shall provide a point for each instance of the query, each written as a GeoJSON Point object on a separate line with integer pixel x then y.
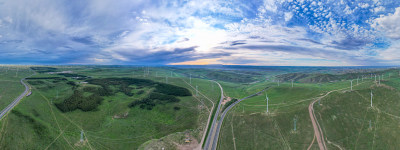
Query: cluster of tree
{"type": "Point", "coordinates": [140, 92]}
{"type": "Point", "coordinates": [71, 83]}
{"type": "Point", "coordinates": [46, 78]}
{"type": "Point", "coordinates": [35, 82]}
{"type": "Point", "coordinates": [79, 101]}
{"type": "Point", "coordinates": [154, 99]}
{"type": "Point", "coordinates": [72, 75]}
{"type": "Point", "coordinates": [44, 69]}
{"type": "Point", "coordinates": [123, 85]}
{"type": "Point", "coordinates": [76, 76]}
{"type": "Point", "coordinates": [227, 104]}
{"type": "Point", "coordinates": [231, 77]}
{"type": "Point", "coordinates": [172, 90]}
{"type": "Point", "coordinates": [101, 91]}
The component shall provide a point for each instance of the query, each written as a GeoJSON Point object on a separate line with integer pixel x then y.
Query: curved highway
{"type": "Point", "coordinates": [15, 102]}
{"type": "Point", "coordinates": [211, 133]}
{"type": "Point", "coordinates": [218, 126]}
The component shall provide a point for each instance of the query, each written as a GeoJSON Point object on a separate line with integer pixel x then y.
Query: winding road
{"type": "Point", "coordinates": [318, 134]}
{"type": "Point", "coordinates": [212, 140]}
{"type": "Point", "coordinates": [16, 101]}
{"type": "Point", "coordinates": [211, 134]}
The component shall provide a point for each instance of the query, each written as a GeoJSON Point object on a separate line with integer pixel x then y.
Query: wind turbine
{"type": "Point", "coordinates": [357, 80]}
{"type": "Point", "coordinates": [81, 136]}
{"type": "Point", "coordinates": [379, 80]}
{"type": "Point", "coordinates": [266, 96]}
{"type": "Point", "coordinates": [292, 83]}
{"type": "Point", "coordinates": [197, 90]}
{"type": "Point", "coordinates": [351, 85]}
{"type": "Point", "coordinates": [371, 98]}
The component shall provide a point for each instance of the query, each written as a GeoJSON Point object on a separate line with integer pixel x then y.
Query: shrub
{"type": "Point", "coordinates": [172, 90]}
{"type": "Point", "coordinates": [78, 101]}
{"type": "Point", "coordinates": [153, 99]}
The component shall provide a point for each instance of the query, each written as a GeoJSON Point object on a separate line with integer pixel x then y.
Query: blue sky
{"type": "Point", "coordinates": [172, 32]}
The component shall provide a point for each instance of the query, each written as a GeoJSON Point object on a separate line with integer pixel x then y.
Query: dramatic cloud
{"type": "Point", "coordinates": [156, 32]}
{"type": "Point", "coordinates": [389, 24]}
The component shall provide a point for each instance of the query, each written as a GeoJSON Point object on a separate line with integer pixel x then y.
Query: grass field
{"type": "Point", "coordinates": [39, 124]}
{"type": "Point", "coordinates": [36, 123]}
{"type": "Point", "coordinates": [343, 115]}
{"type": "Point", "coordinates": [10, 86]}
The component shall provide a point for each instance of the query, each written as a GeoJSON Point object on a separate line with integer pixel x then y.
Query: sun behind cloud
{"type": "Point", "coordinates": [199, 62]}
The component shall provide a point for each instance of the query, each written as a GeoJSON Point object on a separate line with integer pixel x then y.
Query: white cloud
{"type": "Point", "coordinates": [270, 5]}
{"type": "Point", "coordinates": [348, 10]}
{"type": "Point", "coordinates": [288, 16]}
{"type": "Point", "coordinates": [392, 53]}
{"type": "Point", "coordinates": [389, 24]}
{"type": "Point", "coordinates": [379, 9]}
{"type": "Point", "coordinates": [363, 5]}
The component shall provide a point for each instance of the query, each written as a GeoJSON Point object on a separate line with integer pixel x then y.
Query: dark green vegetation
{"type": "Point", "coordinates": [227, 75]}
{"type": "Point", "coordinates": [153, 99]}
{"type": "Point", "coordinates": [233, 76]}
{"type": "Point", "coordinates": [227, 104]}
{"type": "Point", "coordinates": [132, 107]}
{"type": "Point", "coordinates": [124, 84]}
{"type": "Point", "coordinates": [60, 107]}
{"type": "Point", "coordinates": [43, 69]}
{"type": "Point", "coordinates": [163, 93]}
{"type": "Point", "coordinates": [79, 101]}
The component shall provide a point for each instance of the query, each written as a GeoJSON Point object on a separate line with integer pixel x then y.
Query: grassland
{"type": "Point", "coordinates": [343, 115]}
{"type": "Point", "coordinates": [39, 124]}
{"type": "Point", "coordinates": [36, 123]}
{"type": "Point", "coordinates": [10, 86]}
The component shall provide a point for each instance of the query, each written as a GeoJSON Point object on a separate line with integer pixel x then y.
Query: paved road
{"type": "Point", "coordinates": [211, 133]}
{"type": "Point", "coordinates": [218, 128]}
{"type": "Point", "coordinates": [15, 102]}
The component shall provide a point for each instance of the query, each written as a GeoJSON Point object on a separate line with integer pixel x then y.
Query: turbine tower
{"type": "Point", "coordinates": [371, 98]}
{"type": "Point", "coordinates": [81, 136]}
{"type": "Point", "coordinates": [197, 90]}
{"type": "Point", "coordinates": [379, 80]}
{"type": "Point", "coordinates": [266, 96]}
{"type": "Point", "coordinates": [357, 80]}
{"type": "Point", "coordinates": [292, 83]}
{"type": "Point", "coordinates": [351, 85]}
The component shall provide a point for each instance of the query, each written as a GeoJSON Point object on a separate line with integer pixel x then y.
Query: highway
{"type": "Point", "coordinates": [218, 126]}
{"type": "Point", "coordinates": [211, 134]}
{"type": "Point", "coordinates": [16, 101]}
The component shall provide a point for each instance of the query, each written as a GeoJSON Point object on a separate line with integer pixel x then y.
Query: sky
{"type": "Point", "coordinates": [201, 32]}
